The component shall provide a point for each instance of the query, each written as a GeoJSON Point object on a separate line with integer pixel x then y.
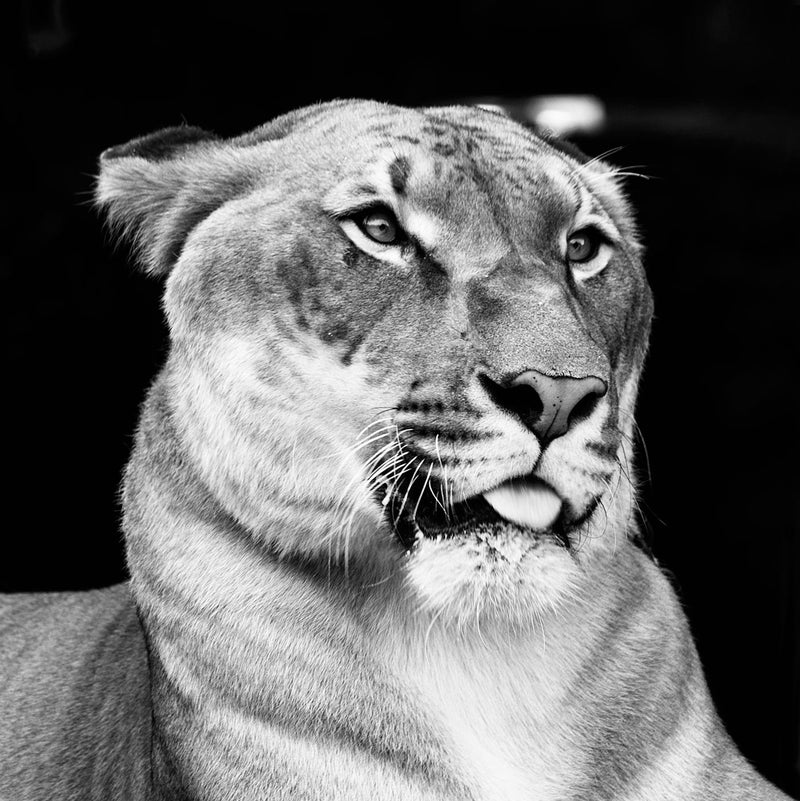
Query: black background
{"type": "Point", "coordinates": [703, 98]}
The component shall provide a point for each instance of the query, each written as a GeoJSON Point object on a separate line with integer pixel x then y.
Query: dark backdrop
{"type": "Point", "coordinates": [702, 97]}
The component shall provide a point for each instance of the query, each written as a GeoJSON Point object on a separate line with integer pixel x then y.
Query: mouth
{"type": "Point", "coordinates": [526, 505]}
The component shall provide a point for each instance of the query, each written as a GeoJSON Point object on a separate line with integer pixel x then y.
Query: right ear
{"type": "Point", "coordinates": [157, 188]}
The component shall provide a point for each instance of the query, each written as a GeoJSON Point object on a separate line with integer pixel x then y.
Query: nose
{"type": "Point", "coordinates": [547, 405]}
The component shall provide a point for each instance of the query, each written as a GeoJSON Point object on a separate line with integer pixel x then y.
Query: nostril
{"type": "Point", "coordinates": [525, 402]}
{"type": "Point", "coordinates": [522, 399]}
{"type": "Point", "coordinates": [584, 407]}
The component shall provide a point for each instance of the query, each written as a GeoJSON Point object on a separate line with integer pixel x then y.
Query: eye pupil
{"type": "Point", "coordinates": [380, 226]}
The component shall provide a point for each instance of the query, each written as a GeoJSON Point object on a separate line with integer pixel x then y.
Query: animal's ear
{"type": "Point", "coordinates": [157, 188]}
{"type": "Point", "coordinates": [563, 145]}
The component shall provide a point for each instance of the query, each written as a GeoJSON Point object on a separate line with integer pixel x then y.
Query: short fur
{"type": "Point", "coordinates": [317, 387]}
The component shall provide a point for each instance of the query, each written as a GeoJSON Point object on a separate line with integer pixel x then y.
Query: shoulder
{"type": "Point", "coordinates": [75, 692]}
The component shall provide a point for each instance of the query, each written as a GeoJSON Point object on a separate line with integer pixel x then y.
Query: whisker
{"type": "Point", "coordinates": [604, 155]}
{"type": "Point", "coordinates": [422, 491]}
{"type": "Point", "coordinates": [410, 484]}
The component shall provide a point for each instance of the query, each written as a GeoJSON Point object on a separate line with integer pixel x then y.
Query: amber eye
{"type": "Point", "coordinates": [582, 246]}
{"type": "Point", "coordinates": [380, 225]}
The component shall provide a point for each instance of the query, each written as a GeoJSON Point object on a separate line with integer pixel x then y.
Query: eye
{"type": "Point", "coordinates": [376, 231]}
{"type": "Point", "coordinates": [583, 245]}
{"type": "Point", "coordinates": [380, 226]}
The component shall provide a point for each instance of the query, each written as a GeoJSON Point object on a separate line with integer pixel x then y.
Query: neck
{"type": "Point", "coordinates": [259, 652]}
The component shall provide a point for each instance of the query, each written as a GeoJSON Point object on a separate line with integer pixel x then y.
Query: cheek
{"type": "Point", "coordinates": [335, 293]}
{"type": "Point", "coordinates": [403, 342]}
{"type": "Point", "coordinates": [616, 305]}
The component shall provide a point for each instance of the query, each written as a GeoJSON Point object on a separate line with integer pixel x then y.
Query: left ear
{"type": "Point", "coordinates": [157, 188]}
{"type": "Point", "coordinates": [563, 145]}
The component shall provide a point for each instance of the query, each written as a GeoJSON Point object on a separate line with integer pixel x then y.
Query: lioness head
{"type": "Point", "coordinates": [403, 342]}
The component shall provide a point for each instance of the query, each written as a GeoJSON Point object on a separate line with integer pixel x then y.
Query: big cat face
{"type": "Point", "coordinates": [451, 303]}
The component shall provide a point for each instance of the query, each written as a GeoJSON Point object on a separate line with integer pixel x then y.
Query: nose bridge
{"type": "Point", "coordinates": [528, 320]}
{"type": "Point", "coordinates": [475, 239]}
{"type": "Point", "coordinates": [473, 256]}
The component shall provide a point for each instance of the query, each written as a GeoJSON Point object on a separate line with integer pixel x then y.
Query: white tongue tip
{"type": "Point", "coordinates": [531, 505]}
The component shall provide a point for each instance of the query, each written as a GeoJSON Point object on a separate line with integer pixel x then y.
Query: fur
{"type": "Point", "coordinates": [322, 388]}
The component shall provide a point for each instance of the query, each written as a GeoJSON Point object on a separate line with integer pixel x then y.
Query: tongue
{"type": "Point", "coordinates": [530, 504]}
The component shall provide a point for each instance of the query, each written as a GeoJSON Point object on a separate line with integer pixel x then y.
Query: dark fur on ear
{"type": "Point", "coordinates": [562, 145]}
{"type": "Point", "coordinates": [155, 189]}
{"type": "Point", "coordinates": [159, 145]}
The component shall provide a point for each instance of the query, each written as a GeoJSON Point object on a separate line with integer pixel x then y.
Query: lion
{"type": "Point", "coordinates": [380, 512]}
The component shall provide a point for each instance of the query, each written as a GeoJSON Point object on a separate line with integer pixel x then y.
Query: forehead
{"type": "Point", "coordinates": [464, 165]}
{"type": "Point", "coordinates": [407, 151]}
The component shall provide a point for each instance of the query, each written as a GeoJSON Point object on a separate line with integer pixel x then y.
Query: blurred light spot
{"type": "Point", "coordinates": [565, 115]}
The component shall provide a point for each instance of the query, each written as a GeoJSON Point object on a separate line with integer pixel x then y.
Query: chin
{"type": "Point", "coordinates": [495, 573]}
